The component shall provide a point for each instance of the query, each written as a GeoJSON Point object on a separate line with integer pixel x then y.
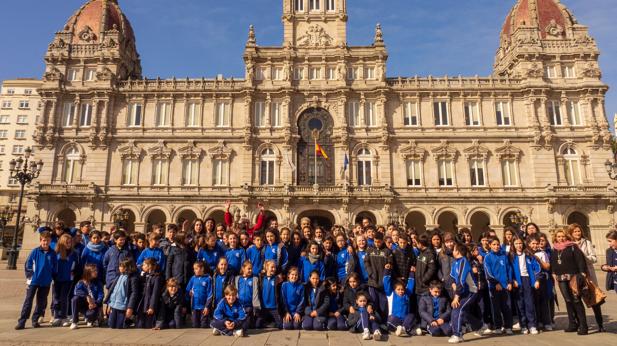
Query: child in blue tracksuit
{"type": "Point", "coordinates": [88, 297]}
{"type": "Point", "coordinates": [40, 268]}
{"type": "Point", "coordinates": [465, 294]}
{"type": "Point", "coordinates": [344, 262]}
{"type": "Point", "coordinates": [292, 297]}
{"type": "Point", "coordinates": [499, 275]}
{"type": "Point", "coordinates": [229, 316]}
{"type": "Point", "coordinates": [276, 251]}
{"type": "Point", "coordinates": [336, 319]}
{"type": "Point", "coordinates": [317, 300]}
{"type": "Point", "coordinates": [360, 255]}
{"type": "Point", "coordinates": [313, 261]}
{"type": "Point", "coordinates": [153, 251]}
{"type": "Point", "coordinates": [269, 297]}
{"type": "Point", "coordinates": [220, 280]}
{"type": "Point", "coordinates": [361, 320]}
{"type": "Point", "coordinates": [254, 255]}
{"type": "Point", "coordinates": [542, 300]}
{"type": "Point", "coordinates": [114, 256]}
{"type": "Point", "coordinates": [94, 253]}
{"type": "Point", "coordinates": [400, 317]}
{"type": "Point", "coordinates": [329, 257]}
{"type": "Point", "coordinates": [211, 253]}
{"type": "Point", "coordinates": [235, 254]}
{"type": "Point", "coordinates": [435, 311]}
{"type": "Point", "coordinates": [248, 294]}
{"type": "Point", "coordinates": [68, 261]}
{"type": "Point", "coordinates": [199, 292]}
{"type": "Point", "coordinates": [526, 269]}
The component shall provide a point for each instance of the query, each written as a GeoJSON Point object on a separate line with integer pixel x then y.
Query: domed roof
{"type": "Point", "coordinates": [549, 16]}
{"type": "Point", "coordinates": [95, 17]}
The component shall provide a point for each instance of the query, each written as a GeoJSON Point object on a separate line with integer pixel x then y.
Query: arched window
{"type": "Point", "coordinates": [364, 167]}
{"type": "Point", "coordinates": [572, 167]}
{"type": "Point", "coordinates": [72, 166]}
{"type": "Point", "coordinates": [266, 171]}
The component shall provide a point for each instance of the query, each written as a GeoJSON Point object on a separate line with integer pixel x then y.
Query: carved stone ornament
{"type": "Point", "coordinates": [252, 41]}
{"type": "Point", "coordinates": [476, 150]}
{"type": "Point", "coordinates": [378, 34]}
{"type": "Point", "coordinates": [109, 43]}
{"type": "Point", "coordinates": [53, 75]}
{"type": "Point", "coordinates": [130, 151]}
{"type": "Point", "coordinates": [554, 30]}
{"type": "Point", "coordinates": [592, 71]}
{"type": "Point", "coordinates": [411, 151]}
{"type": "Point", "coordinates": [58, 43]}
{"type": "Point", "coordinates": [534, 71]}
{"type": "Point", "coordinates": [105, 74]}
{"type": "Point", "coordinates": [444, 151]}
{"type": "Point", "coordinates": [160, 151]}
{"type": "Point", "coordinates": [315, 36]}
{"type": "Point", "coordinates": [220, 151]}
{"type": "Point", "coordinates": [87, 34]}
{"type": "Point", "coordinates": [189, 151]}
{"type": "Point", "coordinates": [508, 151]}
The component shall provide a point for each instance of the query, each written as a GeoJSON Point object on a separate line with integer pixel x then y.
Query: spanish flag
{"type": "Point", "coordinates": [320, 151]}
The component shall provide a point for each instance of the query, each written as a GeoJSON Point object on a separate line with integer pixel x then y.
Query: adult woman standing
{"type": "Point", "coordinates": [568, 262]}
{"type": "Point", "coordinates": [575, 231]}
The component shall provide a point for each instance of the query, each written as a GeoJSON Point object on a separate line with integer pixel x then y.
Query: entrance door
{"type": "Point", "coordinates": [321, 218]}
{"type": "Point", "coordinates": [315, 119]}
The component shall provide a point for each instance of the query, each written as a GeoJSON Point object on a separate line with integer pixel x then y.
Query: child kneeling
{"type": "Point", "coordinates": [435, 311]}
{"type": "Point", "coordinates": [361, 320]}
{"type": "Point", "coordinates": [229, 316]}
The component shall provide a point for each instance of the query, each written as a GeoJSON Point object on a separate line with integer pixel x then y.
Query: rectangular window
{"type": "Point", "coordinates": [573, 172]}
{"type": "Point", "coordinates": [129, 172]}
{"type": "Point", "coordinates": [569, 72]}
{"type": "Point", "coordinates": [12, 182]}
{"type": "Point", "coordinates": [28, 92]}
{"type": "Point", "coordinates": [85, 120]}
{"type": "Point", "coordinates": [222, 110]}
{"type": "Point", "coordinates": [330, 6]}
{"type": "Point", "coordinates": [192, 114]}
{"type": "Point", "coordinates": [331, 73]}
{"type": "Point", "coordinates": [353, 109]}
{"type": "Point", "coordinates": [275, 110]}
{"type": "Point", "coordinates": [298, 73]}
{"type": "Point", "coordinates": [219, 172]}
{"type": "Point", "coordinates": [189, 172]}
{"type": "Point", "coordinates": [551, 71]}
{"type": "Point", "coordinates": [24, 104]}
{"type": "Point", "coordinates": [446, 173]}
{"type": "Point", "coordinates": [4, 133]}
{"type": "Point", "coordinates": [90, 74]}
{"type": "Point", "coordinates": [260, 114]}
{"type": "Point", "coordinates": [510, 176]}
{"type": "Point", "coordinates": [163, 114]}
{"type": "Point", "coordinates": [260, 73]}
{"type": "Point", "coordinates": [352, 73]}
{"type": "Point", "coordinates": [10, 91]}
{"type": "Point", "coordinates": [135, 115]}
{"type": "Point", "coordinates": [68, 113]}
{"type": "Point", "coordinates": [414, 174]}
{"type": "Point", "coordinates": [502, 112]}
{"type": "Point", "coordinates": [72, 75]}
{"type": "Point", "coordinates": [21, 119]}
{"type": "Point", "coordinates": [18, 149]}
{"type": "Point", "coordinates": [440, 111]}
{"type": "Point", "coordinates": [20, 134]}
{"type": "Point", "coordinates": [2, 149]}
{"type": "Point", "coordinates": [159, 172]}
{"type": "Point", "coordinates": [477, 173]}
{"type": "Point", "coordinates": [410, 114]}
{"type": "Point", "coordinates": [315, 73]}
{"type": "Point", "coordinates": [554, 113]}
{"type": "Point", "coordinates": [4, 119]}
{"type": "Point", "coordinates": [472, 115]}
{"type": "Point", "coordinates": [574, 113]}
{"type": "Point", "coordinates": [314, 5]}
{"type": "Point", "coordinates": [277, 73]}
{"type": "Point", "coordinates": [369, 113]}
{"type": "Point", "coordinates": [299, 5]}
{"type": "Point", "coordinates": [6, 105]}
{"type": "Point", "coordinates": [369, 73]}
{"type": "Point", "coordinates": [364, 173]}
{"type": "Point", "coordinates": [266, 172]}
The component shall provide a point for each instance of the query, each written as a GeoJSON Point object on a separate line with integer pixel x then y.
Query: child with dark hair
{"type": "Point", "coordinates": [235, 254]}
{"type": "Point", "coordinates": [540, 296]}
{"type": "Point", "coordinates": [404, 258]}
{"type": "Point", "coordinates": [353, 286]}
{"type": "Point", "coordinates": [426, 266]}
{"type": "Point", "coordinates": [229, 316]}
{"type": "Point", "coordinates": [41, 266]}
{"type": "Point", "coordinates": [499, 275]}
{"type": "Point", "coordinates": [435, 312]}
{"type": "Point", "coordinates": [611, 261]}
{"type": "Point", "coordinates": [153, 251]}
{"type": "Point", "coordinates": [94, 253]}
{"type": "Point", "coordinates": [345, 261]}
{"type": "Point", "coordinates": [253, 253]}
{"type": "Point", "coordinates": [400, 317]}
{"type": "Point", "coordinates": [172, 304]}
{"type": "Point", "coordinates": [114, 256]}
{"type": "Point", "coordinates": [88, 297]}
{"type": "Point", "coordinates": [139, 244]}
{"type": "Point", "coordinates": [269, 297]}
{"type": "Point", "coordinates": [336, 319]}
{"type": "Point", "coordinates": [151, 283]}
{"type": "Point", "coordinates": [248, 294]}
{"type": "Point", "coordinates": [178, 261]}
{"type": "Point", "coordinates": [220, 279]}
{"type": "Point", "coordinates": [317, 302]}
{"type": "Point", "coordinates": [376, 260]}
{"type": "Point", "coordinates": [313, 261]}
{"type": "Point", "coordinates": [199, 292]}
{"type": "Point", "coordinates": [362, 320]}
{"type": "Point", "coordinates": [292, 297]}
{"type": "Point", "coordinates": [465, 295]}
{"type": "Point", "coordinates": [276, 251]}
{"type": "Point", "coordinates": [122, 294]}
{"type": "Point", "coordinates": [526, 269]}
{"type": "Point", "coordinates": [68, 261]}
{"type": "Point", "coordinates": [211, 253]}
{"type": "Point", "coordinates": [329, 257]}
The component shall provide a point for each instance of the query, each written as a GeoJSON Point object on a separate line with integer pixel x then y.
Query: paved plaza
{"type": "Point", "coordinates": [12, 287]}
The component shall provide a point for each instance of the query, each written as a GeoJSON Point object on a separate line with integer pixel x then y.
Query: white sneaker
{"type": "Point", "coordinates": [533, 331]}
{"type": "Point", "coordinates": [509, 332]}
{"type": "Point", "coordinates": [487, 331]}
{"type": "Point", "coordinates": [498, 331]}
{"type": "Point", "coordinates": [66, 323]}
{"type": "Point", "coordinates": [88, 324]}
{"type": "Point", "coordinates": [239, 333]}
{"type": "Point", "coordinates": [548, 327]}
{"type": "Point", "coordinates": [525, 331]}
{"type": "Point", "coordinates": [215, 332]}
{"type": "Point", "coordinates": [377, 335]}
{"type": "Point", "coordinates": [517, 326]}
{"type": "Point", "coordinates": [455, 339]}
{"type": "Point", "coordinates": [478, 333]}
{"type": "Point", "coordinates": [74, 326]}
{"type": "Point", "coordinates": [56, 322]}
{"type": "Point", "coordinates": [366, 335]}
{"type": "Point", "coordinates": [419, 332]}
{"type": "Point", "coordinates": [400, 331]}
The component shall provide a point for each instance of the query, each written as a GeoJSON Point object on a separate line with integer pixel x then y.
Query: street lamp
{"type": "Point", "coordinates": [519, 220]}
{"type": "Point", "coordinates": [6, 215]}
{"type": "Point", "coordinates": [24, 171]}
{"type": "Point", "coordinates": [120, 217]}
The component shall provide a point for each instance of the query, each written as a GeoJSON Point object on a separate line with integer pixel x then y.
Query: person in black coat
{"type": "Point", "coordinates": [435, 321]}
{"type": "Point", "coordinates": [375, 262]}
{"type": "Point", "coordinates": [404, 258]}
{"type": "Point", "coordinates": [426, 265]}
{"type": "Point", "coordinates": [151, 284]}
{"type": "Point", "coordinates": [317, 302]}
{"type": "Point", "coordinates": [350, 292]}
{"type": "Point", "coordinates": [178, 265]}
{"type": "Point", "coordinates": [117, 317]}
{"type": "Point", "coordinates": [611, 262]}
{"type": "Point", "coordinates": [171, 306]}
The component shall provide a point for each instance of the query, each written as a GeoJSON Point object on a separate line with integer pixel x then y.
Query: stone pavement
{"type": "Point", "coordinates": [12, 288]}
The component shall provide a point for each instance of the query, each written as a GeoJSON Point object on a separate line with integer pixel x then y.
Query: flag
{"type": "Point", "coordinates": [319, 151]}
{"type": "Point", "coordinates": [345, 166]}
{"type": "Point", "coordinates": [290, 162]}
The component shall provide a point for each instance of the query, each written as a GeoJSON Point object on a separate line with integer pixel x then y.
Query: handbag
{"type": "Point", "coordinates": [593, 295]}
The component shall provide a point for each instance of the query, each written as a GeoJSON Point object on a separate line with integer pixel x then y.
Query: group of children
{"type": "Point", "coordinates": [231, 278]}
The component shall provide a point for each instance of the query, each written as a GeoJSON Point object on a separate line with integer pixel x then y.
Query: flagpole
{"type": "Point", "coordinates": [315, 160]}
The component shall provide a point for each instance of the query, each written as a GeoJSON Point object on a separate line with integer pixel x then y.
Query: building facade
{"type": "Point", "coordinates": [422, 151]}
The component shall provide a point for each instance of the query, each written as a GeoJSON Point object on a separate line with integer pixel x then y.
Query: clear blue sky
{"type": "Point", "coordinates": [198, 38]}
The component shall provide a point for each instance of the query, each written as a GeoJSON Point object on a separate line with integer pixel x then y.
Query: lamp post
{"type": "Point", "coordinates": [120, 217]}
{"type": "Point", "coordinates": [6, 215]}
{"type": "Point", "coordinates": [24, 171]}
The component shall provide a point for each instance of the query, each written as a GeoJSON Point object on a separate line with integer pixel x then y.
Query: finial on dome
{"type": "Point", "coordinates": [378, 41]}
{"type": "Point", "coordinates": [252, 41]}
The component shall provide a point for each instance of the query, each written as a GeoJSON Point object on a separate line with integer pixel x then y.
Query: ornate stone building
{"type": "Point", "coordinates": [424, 151]}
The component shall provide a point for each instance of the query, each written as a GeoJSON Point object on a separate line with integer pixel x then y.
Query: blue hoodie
{"type": "Point", "coordinates": [93, 290]}
{"type": "Point", "coordinates": [41, 266]}
{"type": "Point", "coordinates": [362, 266]}
{"type": "Point", "coordinates": [342, 264]}
{"type": "Point", "coordinates": [292, 295]}
{"type": "Point", "coordinates": [234, 313]}
{"type": "Point", "coordinates": [306, 267]}
{"type": "Point", "coordinates": [276, 253]}
{"type": "Point", "coordinates": [533, 268]}
{"type": "Point", "coordinates": [201, 286]}
{"type": "Point", "coordinates": [94, 254]}
{"type": "Point", "coordinates": [253, 254]}
{"type": "Point", "coordinates": [268, 292]}
{"type": "Point", "coordinates": [399, 306]}
{"type": "Point", "coordinates": [460, 272]}
{"type": "Point", "coordinates": [67, 267]}
{"type": "Point", "coordinates": [219, 282]}
{"type": "Point", "coordinates": [497, 269]}
{"type": "Point", "coordinates": [235, 258]}
{"type": "Point", "coordinates": [111, 262]}
{"type": "Point", "coordinates": [211, 257]}
{"type": "Point", "coordinates": [247, 291]}
{"type": "Point", "coordinates": [155, 253]}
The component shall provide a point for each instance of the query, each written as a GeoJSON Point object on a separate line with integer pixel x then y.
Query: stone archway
{"type": "Point", "coordinates": [129, 224]}
{"type": "Point", "coordinates": [187, 214]}
{"type": "Point", "coordinates": [480, 222]}
{"type": "Point", "coordinates": [320, 119]}
{"type": "Point", "coordinates": [268, 217]}
{"type": "Point", "coordinates": [155, 216]}
{"type": "Point", "coordinates": [448, 222]}
{"type": "Point", "coordinates": [581, 219]}
{"type": "Point", "coordinates": [365, 215]}
{"type": "Point", "coordinates": [68, 217]}
{"type": "Point", "coordinates": [417, 220]}
{"type": "Point", "coordinates": [218, 216]}
{"type": "Point", "coordinates": [321, 218]}
{"type": "Point", "coordinates": [507, 219]}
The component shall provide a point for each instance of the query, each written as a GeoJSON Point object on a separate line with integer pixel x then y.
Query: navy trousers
{"type": "Point", "coordinates": [525, 303]}
{"type": "Point", "coordinates": [360, 320]}
{"type": "Point", "coordinates": [442, 330]}
{"type": "Point", "coordinates": [269, 315]}
{"type": "Point", "coordinates": [314, 323]}
{"type": "Point", "coordinates": [502, 311]}
{"type": "Point", "coordinates": [407, 322]}
{"type": "Point", "coordinates": [199, 320]}
{"type": "Point", "coordinates": [337, 323]}
{"type": "Point", "coordinates": [117, 319]}
{"type": "Point", "coordinates": [220, 326]}
{"type": "Point", "coordinates": [463, 315]}
{"type": "Point", "coordinates": [80, 305]}
{"type": "Point", "coordinates": [379, 300]}
{"type": "Point", "coordinates": [41, 294]}
{"type": "Point", "coordinates": [292, 324]}
{"type": "Point", "coordinates": [60, 299]}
